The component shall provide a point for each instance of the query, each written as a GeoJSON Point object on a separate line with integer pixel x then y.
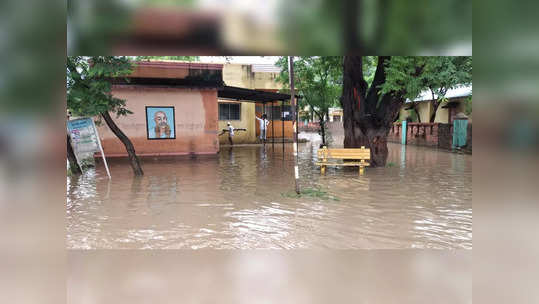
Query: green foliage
{"type": "Point", "coordinates": [412, 75]}
{"type": "Point", "coordinates": [311, 192]}
{"type": "Point", "coordinates": [88, 85]}
{"type": "Point", "coordinates": [438, 74]}
{"type": "Point", "coordinates": [369, 68]}
{"type": "Point", "coordinates": [181, 58]}
{"type": "Point", "coordinates": [317, 79]}
{"type": "Point", "coordinates": [390, 165]}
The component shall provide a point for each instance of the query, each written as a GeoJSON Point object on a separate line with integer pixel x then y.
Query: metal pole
{"type": "Point", "coordinates": [282, 121]}
{"type": "Point", "coordinates": [101, 149]}
{"type": "Point", "coordinates": [272, 129]}
{"type": "Point", "coordinates": [293, 108]}
{"type": "Point", "coordinates": [264, 123]}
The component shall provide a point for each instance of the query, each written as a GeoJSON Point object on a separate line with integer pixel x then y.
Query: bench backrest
{"type": "Point", "coordinates": [355, 153]}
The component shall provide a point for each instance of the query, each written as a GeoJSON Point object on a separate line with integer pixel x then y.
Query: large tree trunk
{"type": "Point", "coordinates": [323, 132]}
{"type": "Point", "coordinates": [367, 117]}
{"type": "Point", "coordinates": [417, 113]}
{"type": "Point", "coordinates": [73, 165]}
{"type": "Point", "coordinates": [135, 163]}
{"type": "Point", "coordinates": [435, 106]}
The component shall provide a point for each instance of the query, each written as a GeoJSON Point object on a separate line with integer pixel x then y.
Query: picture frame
{"type": "Point", "coordinates": [160, 122]}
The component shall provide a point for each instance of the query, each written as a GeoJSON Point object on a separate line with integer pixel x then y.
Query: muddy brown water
{"type": "Point", "coordinates": [242, 199]}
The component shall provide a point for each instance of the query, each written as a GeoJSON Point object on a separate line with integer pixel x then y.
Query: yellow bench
{"type": "Point", "coordinates": [328, 157]}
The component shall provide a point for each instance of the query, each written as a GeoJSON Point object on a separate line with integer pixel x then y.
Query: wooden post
{"type": "Point", "coordinates": [362, 166]}
{"type": "Point", "coordinates": [293, 108]}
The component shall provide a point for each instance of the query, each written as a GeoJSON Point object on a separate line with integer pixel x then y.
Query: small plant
{"type": "Point", "coordinates": [311, 192]}
{"type": "Point", "coordinates": [390, 165]}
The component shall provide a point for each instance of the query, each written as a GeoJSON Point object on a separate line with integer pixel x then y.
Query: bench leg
{"type": "Point", "coordinates": [323, 169]}
{"type": "Point", "coordinates": [361, 170]}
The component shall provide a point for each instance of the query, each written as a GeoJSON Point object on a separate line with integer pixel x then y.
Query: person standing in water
{"type": "Point", "coordinates": [263, 125]}
{"type": "Point", "coordinates": [230, 130]}
{"type": "Point", "coordinates": [230, 133]}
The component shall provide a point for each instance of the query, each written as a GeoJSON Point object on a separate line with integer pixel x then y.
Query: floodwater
{"type": "Point", "coordinates": [242, 199]}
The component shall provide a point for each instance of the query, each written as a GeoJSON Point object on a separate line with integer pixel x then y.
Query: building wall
{"type": "Point", "coordinates": [241, 75]}
{"type": "Point", "coordinates": [278, 124]}
{"type": "Point", "coordinates": [419, 134]}
{"type": "Point", "coordinates": [195, 121]}
{"type": "Point", "coordinates": [334, 113]}
{"type": "Point", "coordinates": [442, 115]}
{"type": "Point", "coordinates": [403, 113]}
{"type": "Point", "coordinates": [247, 122]}
{"type": "Point", "coordinates": [425, 109]}
{"type": "Point", "coordinates": [278, 129]}
{"type": "Point", "coordinates": [437, 135]}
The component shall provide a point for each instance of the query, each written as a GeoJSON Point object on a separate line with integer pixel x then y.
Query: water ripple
{"type": "Point", "coordinates": [236, 201]}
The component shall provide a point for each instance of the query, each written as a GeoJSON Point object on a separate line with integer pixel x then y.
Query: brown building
{"type": "Point", "coordinates": [183, 96]}
{"type": "Point", "coordinates": [175, 109]}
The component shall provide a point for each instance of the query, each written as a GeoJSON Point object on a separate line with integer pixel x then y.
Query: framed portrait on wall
{"type": "Point", "coordinates": [160, 122]}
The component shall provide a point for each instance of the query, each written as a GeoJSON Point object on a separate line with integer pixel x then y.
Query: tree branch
{"type": "Point", "coordinates": [379, 79]}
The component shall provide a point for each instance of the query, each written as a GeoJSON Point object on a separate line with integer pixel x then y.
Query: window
{"type": "Point", "coordinates": [229, 111]}
{"type": "Point", "coordinates": [287, 113]}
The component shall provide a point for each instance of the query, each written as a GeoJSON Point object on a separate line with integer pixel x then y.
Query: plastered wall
{"type": "Point", "coordinates": [195, 121]}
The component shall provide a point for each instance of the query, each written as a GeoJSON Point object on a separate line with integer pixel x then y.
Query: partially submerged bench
{"type": "Point", "coordinates": [331, 157]}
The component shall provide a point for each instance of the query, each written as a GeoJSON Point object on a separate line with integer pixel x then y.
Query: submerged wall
{"type": "Point", "coordinates": [439, 135]}
{"type": "Point", "coordinates": [195, 121]}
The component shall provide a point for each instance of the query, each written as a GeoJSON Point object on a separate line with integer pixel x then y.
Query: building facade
{"type": "Point", "coordinates": [456, 103]}
{"type": "Point", "coordinates": [174, 110]}
{"type": "Point", "coordinates": [241, 114]}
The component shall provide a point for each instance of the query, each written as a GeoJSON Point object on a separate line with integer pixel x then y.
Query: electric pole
{"type": "Point", "coordinates": [294, 110]}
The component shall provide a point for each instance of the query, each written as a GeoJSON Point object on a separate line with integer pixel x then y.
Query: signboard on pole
{"type": "Point", "coordinates": [84, 138]}
{"type": "Point", "coordinates": [83, 135]}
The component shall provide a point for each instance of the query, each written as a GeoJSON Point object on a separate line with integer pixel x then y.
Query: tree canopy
{"type": "Point", "coordinates": [89, 87]}
{"type": "Point", "coordinates": [409, 76]}
{"type": "Point", "coordinates": [318, 80]}
{"type": "Point", "coordinates": [89, 94]}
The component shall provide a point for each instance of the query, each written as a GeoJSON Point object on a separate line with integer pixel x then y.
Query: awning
{"type": "Point", "coordinates": [250, 95]}
{"type": "Point", "coordinates": [451, 104]}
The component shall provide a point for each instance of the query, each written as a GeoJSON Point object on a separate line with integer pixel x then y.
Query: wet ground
{"type": "Point", "coordinates": [242, 198]}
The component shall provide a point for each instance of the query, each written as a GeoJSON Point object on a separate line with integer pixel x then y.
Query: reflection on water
{"type": "Point", "coordinates": [235, 200]}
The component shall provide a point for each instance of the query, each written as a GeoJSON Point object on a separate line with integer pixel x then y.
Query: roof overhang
{"type": "Point", "coordinates": [250, 95]}
{"type": "Point", "coordinates": [451, 104]}
{"type": "Point", "coordinates": [173, 74]}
